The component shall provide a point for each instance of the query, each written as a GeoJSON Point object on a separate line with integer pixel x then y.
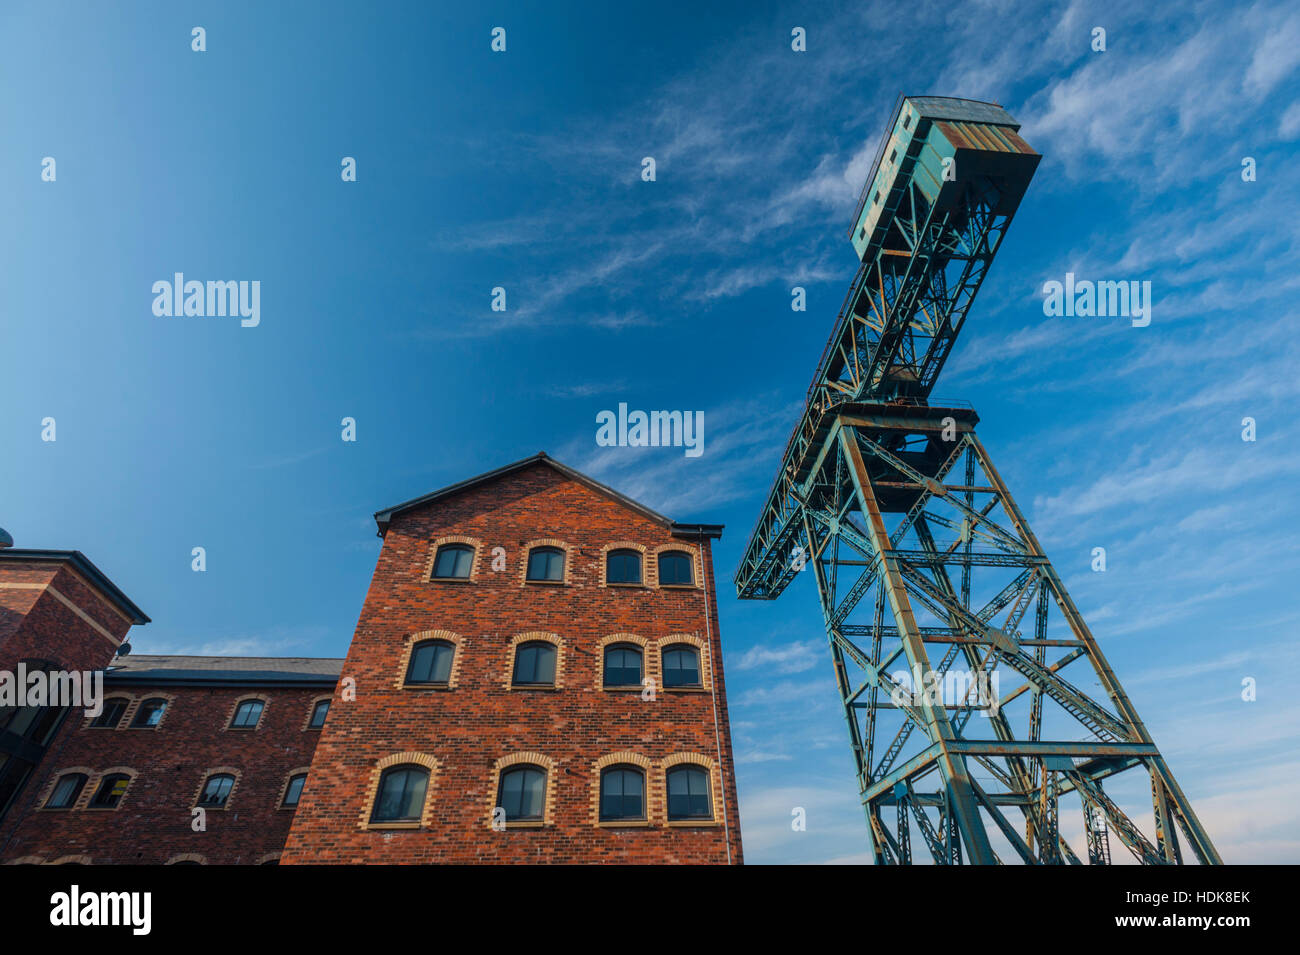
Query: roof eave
{"type": "Point", "coordinates": [711, 531]}
{"type": "Point", "coordinates": [84, 566]}
{"type": "Point", "coordinates": [383, 518]}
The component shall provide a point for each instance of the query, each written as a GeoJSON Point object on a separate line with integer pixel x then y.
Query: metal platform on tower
{"type": "Point", "coordinates": [933, 588]}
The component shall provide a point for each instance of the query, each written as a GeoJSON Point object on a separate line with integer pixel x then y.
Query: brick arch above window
{"type": "Point", "coordinates": [706, 664]}
{"type": "Point", "coordinates": [624, 545]}
{"type": "Point", "coordinates": [134, 707]}
{"type": "Point", "coordinates": [647, 669]}
{"type": "Point", "coordinates": [267, 858]}
{"type": "Point", "coordinates": [715, 787]}
{"type": "Point", "coordinates": [528, 637]}
{"type": "Point", "coordinates": [284, 787]}
{"type": "Point", "coordinates": [245, 698]}
{"type": "Point", "coordinates": [311, 708]}
{"type": "Point", "coordinates": [187, 857]}
{"type": "Point", "coordinates": [131, 700]}
{"type": "Point", "coordinates": [475, 564]}
{"type": "Point", "coordinates": [218, 771]}
{"type": "Point", "coordinates": [71, 860]}
{"type": "Point", "coordinates": [408, 645]}
{"type": "Point", "coordinates": [407, 758]}
{"type": "Point", "coordinates": [697, 566]}
{"type": "Point", "coordinates": [523, 758]}
{"type": "Point", "coordinates": [48, 789]}
{"type": "Point", "coordinates": [532, 545]}
{"type": "Point", "coordinates": [27, 860]}
{"type": "Point", "coordinates": [623, 758]}
{"type": "Point", "coordinates": [92, 786]}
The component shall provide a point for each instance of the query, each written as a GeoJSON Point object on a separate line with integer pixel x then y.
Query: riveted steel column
{"type": "Point", "coordinates": [951, 765]}
{"type": "Point", "coordinates": [1199, 838]}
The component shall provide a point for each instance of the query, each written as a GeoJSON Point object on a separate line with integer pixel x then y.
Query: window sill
{"type": "Point", "coordinates": [692, 824]}
{"type": "Point", "coordinates": [623, 824]}
{"type": "Point", "coordinates": [539, 824]}
{"type": "Point", "coordinates": [545, 583]}
{"type": "Point", "coordinates": [685, 689]}
{"type": "Point", "coordinates": [392, 825]}
{"type": "Point", "coordinates": [451, 580]}
{"type": "Point", "coordinates": [623, 689]}
{"type": "Point", "coordinates": [548, 688]}
{"type": "Point", "coordinates": [678, 587]}
{"type": "Point", "coordinates": [435, 687]}
{"type": "Point", "coordinates": [629, 586]}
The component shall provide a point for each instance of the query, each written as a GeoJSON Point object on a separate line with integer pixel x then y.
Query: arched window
{"type": "Point", "coordinates": [522, 793]}
{"type": "Point", "coordinates": [247, 715]}
{"type": "Point", "coordinates": [681, 665]}
{"type": "Point", "coordinates": [430, 663]}
{"type": "Point", "coordinates": [293, 792]}
{"type": "Point", "coordinates": [149, 713]}
{"type": "Point", "coordinates": [216, 791]}
{"type": "Point", "coordinates": [688, 793]}
{"type": "Point", "coordinates": [623, 567]}
{"type": "Point", "coordinates": [622, 794]}
{"type": "Point", "coordinates": [110, 792]}
{"type": "Point", "coordinates": [534, 664]}
{"type": "Point", "coordinates": [453, 562]}
{"type": "Point", "coordinates": [546, 563]}
{"type": "Point", "coordinates": [622, 665]}
{"type": "Point", "coordinates": [111, 714]}
{"type": "Point", "coordinates": [676, 569]}
{"type": "Point", "coordinates": [66, 791]}
{"type": "Point", "coordinates": [401, 794]}
{"type": "Point", "coordinates": [320, 709]}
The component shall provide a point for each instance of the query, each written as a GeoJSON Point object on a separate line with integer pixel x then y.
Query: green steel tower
{"type": "Point", "coordinates": [924, 563]}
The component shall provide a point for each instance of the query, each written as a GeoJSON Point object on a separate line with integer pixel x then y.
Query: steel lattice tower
{"type": "Point", "coordinates": [923, 561]}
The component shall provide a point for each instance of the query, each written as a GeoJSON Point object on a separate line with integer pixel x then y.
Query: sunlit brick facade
{"type": "Point", "coordinates": [464, 735]}
{"type": "Point", "coordinates": [536, 676]}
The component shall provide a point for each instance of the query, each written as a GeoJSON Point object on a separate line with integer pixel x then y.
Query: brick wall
{"type": "Point", "coordinates": [467, 733]}
{"type": "Point", "coordinates": [49, 612]}
{"type": "Point", "coordinates": [152, 823]}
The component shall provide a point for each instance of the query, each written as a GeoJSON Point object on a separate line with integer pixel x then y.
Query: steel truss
{"type": "Point", "coordinates": [926, 566]}
{"type": "Point", "coordinates": [892, 336]}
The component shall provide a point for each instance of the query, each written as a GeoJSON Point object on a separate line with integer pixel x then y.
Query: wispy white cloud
{"type": "Point", "coordinates": [782, 658]}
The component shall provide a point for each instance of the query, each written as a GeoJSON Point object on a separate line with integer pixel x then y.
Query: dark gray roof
{"type": "Point", "coordinates": [84, 567]}
{"type": "Point", "coordinates": [156, 670]}
{"type": "Point", "coordinates": [384, 518]}
{"type": "Point", "coordinates": [962, 110]}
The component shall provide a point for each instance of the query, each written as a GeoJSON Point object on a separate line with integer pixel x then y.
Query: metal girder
{"type": "Point", "coordinates": [872, 477]}
{"type": "Point", "coordinates": [916, 754]}
{"type": "Point", "coordinates": [891, 338]}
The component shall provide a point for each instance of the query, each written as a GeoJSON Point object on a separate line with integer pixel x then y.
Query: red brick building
{"type": "Point", "coordinates": [229, 736]}
{"type": "Point", "coordinates": [536, 676]}
{"type": "Point", "coordinates": [57, 612]}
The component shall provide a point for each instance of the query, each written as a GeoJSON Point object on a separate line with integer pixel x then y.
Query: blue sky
{"type": "Point", "coordinates": [523, 170]}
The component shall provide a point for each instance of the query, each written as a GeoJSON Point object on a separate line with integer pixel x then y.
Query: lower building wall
{"type": "Point", "coordinates": [332, 825]}
{"type": "Point", "coordinates": [154, 822]}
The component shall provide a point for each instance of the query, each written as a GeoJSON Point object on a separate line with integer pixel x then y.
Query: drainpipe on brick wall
{"type": "Point", "coordinates": [713, 678]}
